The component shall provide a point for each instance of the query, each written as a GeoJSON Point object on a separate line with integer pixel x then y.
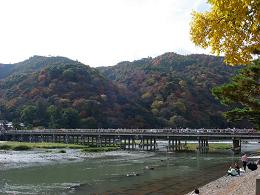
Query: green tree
{"type": "Point", "coordinates": [243, 94]}
{"type": "Point", "coordinates": [177, 121]}
{"type": "Point", "coordinates": [3, 112]}
{"type": "Point", "coordinates": [88, 123]}
{"type": "Point", "coordinates": [69, 74]}
{"type": "Point", "coordinates": [28, 114]}
{"type": "Point", "coordinates": [70, 118]}
{"type": "Point", "coordinates": [54, 116]}
{"type": "Point", "coordinates": [41, 107]}
{"type": "Point", "coordinates": [16, 124]}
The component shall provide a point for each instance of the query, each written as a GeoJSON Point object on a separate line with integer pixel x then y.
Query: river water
{"type": "Point", "coordinates": [119, 172]}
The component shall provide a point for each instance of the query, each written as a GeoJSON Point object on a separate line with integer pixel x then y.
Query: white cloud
{"type": "Point", "coordinates": [95, 32]}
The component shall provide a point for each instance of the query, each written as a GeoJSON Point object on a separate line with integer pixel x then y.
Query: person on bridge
{"type": "Point", "coordinates": [244, 160]}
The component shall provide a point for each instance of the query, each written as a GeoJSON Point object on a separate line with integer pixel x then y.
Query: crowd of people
{"type": "Point", "coordinates": [236, 170]}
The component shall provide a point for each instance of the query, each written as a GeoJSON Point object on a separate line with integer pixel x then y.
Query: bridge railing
{"type": "Point", "coordinates": [134, 131]}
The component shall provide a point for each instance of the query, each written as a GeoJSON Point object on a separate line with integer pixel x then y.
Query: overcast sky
{"type": "Point", "coordinates": [96, 32]}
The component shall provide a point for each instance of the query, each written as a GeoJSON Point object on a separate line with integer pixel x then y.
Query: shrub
{"type": "Point", "coordinates": [5, 147]}
{"type": "Point", "coordinates": [21, 147]}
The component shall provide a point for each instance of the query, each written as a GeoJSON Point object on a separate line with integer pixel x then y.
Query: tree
{"type": "Point", "coordinates": [28, 114]}
{"type": "Point", "coordinates": [88, 123]}
{"type": "Point", "coordinates": [3, 111]}
{"type": "Point", "coordinates": [243, 93]}
{"type": "Point", "coordinates": [16, 124]}
{"type": "Point", "coordinates": [54, 116]}
{"type": "Point", "coordinates": [69, 74]}
{"type": "Point", "coordinates": [70, 118]}
{"type": "Point", "coordinates": [231, 27]}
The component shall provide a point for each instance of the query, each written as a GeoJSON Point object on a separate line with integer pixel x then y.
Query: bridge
{"type": "Point", "coordinates": [134, 139]}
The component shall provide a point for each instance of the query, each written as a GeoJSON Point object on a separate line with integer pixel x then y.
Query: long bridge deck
{"type": "Point", "coordinates": [144, 139]}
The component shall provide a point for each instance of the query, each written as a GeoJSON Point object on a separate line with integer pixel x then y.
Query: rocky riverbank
{"type": "Point", "coordinates": [245, 184]}
{"type": "Point", "coordinates": [18, 159]}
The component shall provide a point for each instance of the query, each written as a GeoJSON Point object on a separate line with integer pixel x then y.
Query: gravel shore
{"type": "Point", "coordinates": [245, 184]}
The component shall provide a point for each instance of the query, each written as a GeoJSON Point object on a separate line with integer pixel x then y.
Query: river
{"type": "Point", "coordinates": [119, 172]}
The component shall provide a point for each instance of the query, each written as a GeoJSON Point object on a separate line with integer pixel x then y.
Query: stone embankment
{"type": "Point", "coordinates": [245, 184]}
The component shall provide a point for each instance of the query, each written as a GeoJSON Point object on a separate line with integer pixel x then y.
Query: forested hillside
{"type": "Point", "coordinates": [33, 64]}
{"type": "Point", "coordinates": [170, 90]}
{"type": "Point", "coordinates": [176, 88]}
{"type": "Point", "coordinates": [56, 92]}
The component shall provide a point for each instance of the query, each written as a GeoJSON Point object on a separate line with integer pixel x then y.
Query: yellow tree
{"type": "Point", "coordinates": [230, 27]}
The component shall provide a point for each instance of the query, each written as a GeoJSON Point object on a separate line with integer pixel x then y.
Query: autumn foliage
{"type": "Point", "coordinates": [231, 27]}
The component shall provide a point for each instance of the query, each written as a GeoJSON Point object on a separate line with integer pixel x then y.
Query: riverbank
{"type": "Point", "coordinates": [13, 145]}
{"type": "Point", "coordinates": [19, 146]}
{"type": "Point", "coordinates": [10, 159]}
{"type": "Point", "coordinates": [9, 145]}
{"type": "Point", "coordinates": [245, 184]}
{"type": "Point", "coordinates": [212, 146]}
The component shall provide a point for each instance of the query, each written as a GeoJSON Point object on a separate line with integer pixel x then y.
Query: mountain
{"type": "Point", "coordinates": [56, 92]}
{"type": "Point", "coordinates": [33, 64]}
{"type": "Point", "coordinates": [176, 88]}
{"type": "Point", "coordinates": [170, 90]}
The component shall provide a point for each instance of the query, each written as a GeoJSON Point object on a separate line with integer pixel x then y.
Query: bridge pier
{"type": "Point", "coordinates": [128, 143]}
{"type": "Point", "coordinates": [175, 144]}
{"type": "Point", "coordinates": [154, 144]}
{"type": "Point", "coordinates": [203, 146]}
{"type": "Point", "coordinates": [237, 145]}
{"type": "Point", "coordinates": [170, 145]}
{"type": "Point", "coordinates": [131, 143]}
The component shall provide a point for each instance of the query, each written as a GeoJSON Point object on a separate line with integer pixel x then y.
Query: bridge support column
{"type": "Point", "coordinates": [203, 145]}
{"type": "Point", "coordinates": [172, 144]}
{"type": "Point", "coordinates": [66, 139]}
{"type": "Point", "coordinates": [92, 141]}
{"type": "Point", "coordinates": [82, 140]}
{"type": "Point", "coordinates": [154, 144]}
{"type": "Point", "coordinates": [169, 147]}
{"type": "Point", "coordinates": [151, 144]}
{"type": "Point", "coordinates": [141, 144]}
{"type": "Point", "coordinates": [236, 145]}
{"type": "Point", "coordinates": [124, 143]}
{"type": "Point", "coordinates": [133, 143]}
{"type": "Point", "coordinates": [113, 141]}
{"type": "Point", "coordinates": [129, 143]}
{"type": "Point", "coordinates": [99, 141]}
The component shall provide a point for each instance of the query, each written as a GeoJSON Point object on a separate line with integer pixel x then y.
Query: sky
{"type": "Point", "coordinates": [96, 32]}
